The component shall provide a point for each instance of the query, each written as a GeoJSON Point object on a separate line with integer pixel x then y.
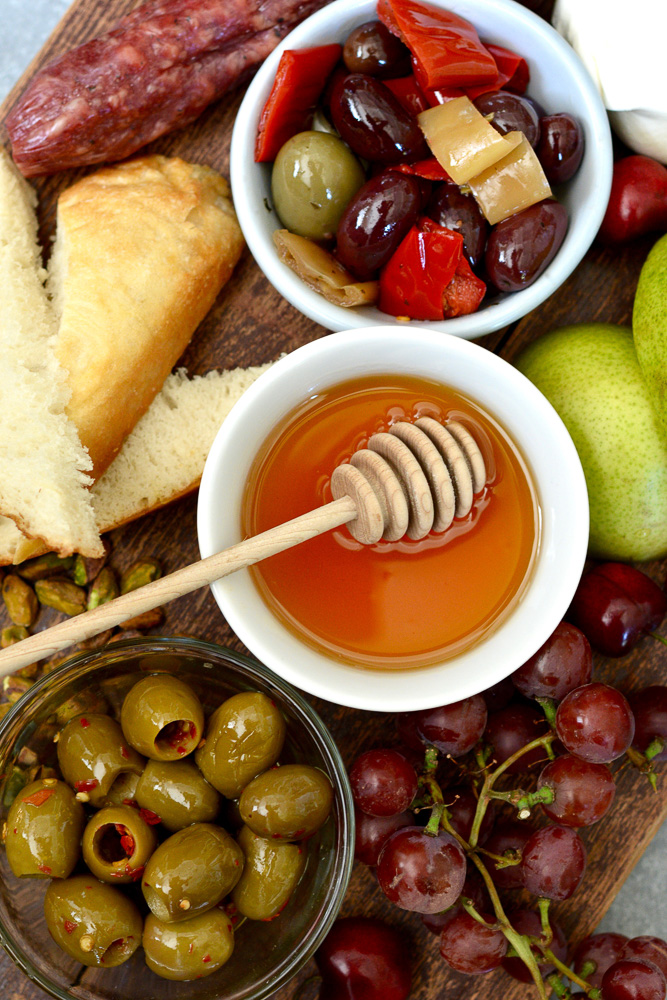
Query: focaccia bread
{"type": "Point", "coordinates": [142, 250]}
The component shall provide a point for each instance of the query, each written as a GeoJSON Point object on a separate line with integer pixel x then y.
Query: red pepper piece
{"type": "Point", "coordinates": [86, 785]}
{"type": "Point", "coordinates": [126, 839]}
{"type": "Point", "coordinates": [296, 89]}
{"type": "Point", "coordinates": [429, 169]}
{"type": "Point", "coordinates": [69, 926]}
{"type": "Point", "coordinates": [513, 72]}
{"type": "Point", "coordinates": [638, 200]}
{"type": "Point", "coordinates": [409, 94]}
{"type": "Point", "coordinates": [446, 48]}
{"type": "Point", "coordinates": [39, 797]}
{"type": "Point", "coordinates": [413, 282]}
{"type": "Point", "coordinates": [464, 293]}
{"type": "Point", "coordinates": [442, 94]}
{"type": "Point", "coordinates": [84, 723]}
{"type": "Point", "coordinates": [149, 817]}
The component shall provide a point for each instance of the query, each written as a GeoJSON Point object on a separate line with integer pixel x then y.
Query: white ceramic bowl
{"type": "Point", "coordinates": [559, 81]}
{"type": "Point", "coordinates": [501, 390]}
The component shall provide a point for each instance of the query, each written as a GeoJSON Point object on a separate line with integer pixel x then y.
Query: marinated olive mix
{"type": "Point", "coordinates": [162, 717]}
{"type": "Point", "coordinates": [92, 754]}
{"type": "Point", "coordinates": [151, 822]}
{"type": "Point", "coordinates": [93, 922]}
{"type": "Point", "coordinates": [44, 827]}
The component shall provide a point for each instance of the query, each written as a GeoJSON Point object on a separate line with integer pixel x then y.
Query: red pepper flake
{"type": "Point", "coordinates": [127, 843]}
{"type": "Point", "coordinates": [130, 802]}
{"type": "Point", "coordinates": [181, 750]}
{"type": "Point", "coordinates": [45, 868]}
{"type": "Point", "coordinates": [124, 752]}
{"type": "Point", "coordinates": [39, 797]}
{"type": "Point", "coordinates": [206, 958]}
{"type": "Point", "coordinates": [149, 817]}
{"type": "Point", "coordinates": [300, 832]}
{"type": "Point", "coordinates": [236, 862]}
{"type": "Point", "coordinates": [191, 948]}
{"type": "Point", "coordinates": [86, 785]}
{"type": "Point", "coordinates": [136, 873]}
{"type": "Point", "coordinates": [84, 723]}
{"type": "Point", "coordinates": [69, 926]}
{"type": "Point", "coordinates": [15, 829]}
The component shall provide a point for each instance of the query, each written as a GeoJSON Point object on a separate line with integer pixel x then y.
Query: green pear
{"type": "Point", "coordinates": [649, 326]}
{"type": "Point", "coordinates": [591, 376]}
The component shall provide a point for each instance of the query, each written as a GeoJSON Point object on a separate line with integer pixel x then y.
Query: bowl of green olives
{"type": "Point", "coordinates": [343, 191]}
{"type": "Point", "coordinates": [176, 822]}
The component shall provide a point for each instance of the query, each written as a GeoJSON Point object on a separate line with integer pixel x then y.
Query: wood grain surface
{"type": "Point", "coordinates": [251, 324]}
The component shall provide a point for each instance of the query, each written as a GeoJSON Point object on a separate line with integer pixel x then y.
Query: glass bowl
{"type": "Point", "coordinates": [266, 954]}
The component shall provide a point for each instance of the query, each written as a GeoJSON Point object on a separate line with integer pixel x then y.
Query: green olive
{"type": "Point", "coordinates": [117, 843]}
{"type": "Point", "coordinates": [314, 178]}
{"type": "Point", "coordinates": [162, 717]}
{"type": "Point", "coordinates": [287, 803]}
{"type": "Point", "coordinates": [178, 793]}
{"type": "Point", "coordinates": [244, 737]}
{"type": "Point", "coordinates": [91, 921]}
{"type": "Point", "coordinates": [92, 754]}
{"type": "Point", "coordinates": [44, 827]}
{"type": "Point", "coordinates": [270, 874]}
{"type": "Point", "coordinates": [191, 872]}
{"type": "Point", "coordinates": [190, 950]}
{"type": "Point", "coordinates": [123, 792]}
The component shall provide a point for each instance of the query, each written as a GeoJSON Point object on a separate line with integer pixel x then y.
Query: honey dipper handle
{"type": "Point", "coordinates": [182, 581]}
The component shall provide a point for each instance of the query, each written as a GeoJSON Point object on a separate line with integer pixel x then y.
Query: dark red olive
{"type": "Point", "coordinates": [510, 113]}
{"type": "Point", "coordinates": [521, 247]}
{"type": "Point", "coordinates": [372, 49]}
{"type": "Point", "coordinates": [364, 959]}
{"type": "Point", "coordinates": [451, 208]}
{"type": "Point", "coordinates": [375, 222]}
{"type": "Point", "coordinates": [374, 124]}
{"type": "Point", "coordinates": [560, 147]}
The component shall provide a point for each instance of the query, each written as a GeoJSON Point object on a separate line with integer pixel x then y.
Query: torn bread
{"type": "Point", "coordinates": [162, 459]}
{"type": "Point", "coordinates": [43, 467]}
{"type": "Point", "coordinates": [142, 250]}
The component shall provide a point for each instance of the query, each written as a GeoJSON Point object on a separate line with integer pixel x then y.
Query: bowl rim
{"type": "Point", "coordinates": [339, 881]}
{"type": "Point", "coordinates": [496, 315]}
{"type": "Point", "coordinates": [394, 690]}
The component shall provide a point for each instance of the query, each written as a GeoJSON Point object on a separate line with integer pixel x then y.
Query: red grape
{"type": "Point", "coordinates": [383, 782]}
{"type": "Point", "coordinates": [628, 980]}
{"type": "Point", "coordinates": [468, 946]}
{"type": "Point", "coordinates": [529, 922]}
{"type": "Point", "coordinates": [614, 605]}
{"type": "Point", "coordinates": [595, 722]}
{"type": "Point", "coordinates": [649, 708]}
{"type": "Point", "coordinates": [507, 837]}
{"type": "Point", "coordinates": [499, 695]}
{"type": "Point", "coordinates": [473, 889]}
{"type": "Point", "coordinates": [602, 950]}
{"type": "Point", "coordinates": [583, 791]}
{"type": "Point", "coordinates": [561, 664]}
{"type": "Point", "coordinates": [510, 729]}
{"type": "Point", "coordinates": [553, 862]}
{"type": "Point", "coordinates": [453, 729]}
{"type": "Point", "coordinates": [364, 959]}
{"type": "Point", "coordinates": [462, 806]}
{"type": "Point", "coordinates": [371, 832]}
{"type": "Point", "coordinates": [647, 949]}
{"type": "Point", "coordinates": [421, 872]}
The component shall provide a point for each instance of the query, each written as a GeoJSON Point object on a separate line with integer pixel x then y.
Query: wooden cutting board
{"type": "Point", "coordinates": [251, 324]}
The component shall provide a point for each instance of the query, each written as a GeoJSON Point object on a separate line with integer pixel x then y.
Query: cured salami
{"type": "Point", "coordinates": [154, 72]}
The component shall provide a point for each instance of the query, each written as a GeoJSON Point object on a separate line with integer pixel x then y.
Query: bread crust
{"type": "Point", "coordinates": [142, 251]}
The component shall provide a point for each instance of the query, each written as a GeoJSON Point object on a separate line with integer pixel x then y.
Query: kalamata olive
{"type": "Point", "coordinates": [371, 48]}
{"type": "Point", "coordinates": [510, 113]}
{"type": "Point", "coordinates": [520, 248]}
{"type": "Point", "coordinates": [451, 208]}
{"type": "Point", "coordinates": [375, 222]}
{"type": "Point", "coordinates": [561, 147]}
{"type": "Point", "coordinates": [374, 123]}
{"type": "Point", "coordinates": [313, 178]}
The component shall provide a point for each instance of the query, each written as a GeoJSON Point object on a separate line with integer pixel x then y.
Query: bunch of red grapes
{"type": "Point", "coordinates": [432, 813]}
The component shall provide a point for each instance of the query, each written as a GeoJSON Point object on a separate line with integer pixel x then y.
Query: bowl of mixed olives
{"type": "Point", "coordinates": [176, 821]}
{"type": "Point", "coordinates": [437, 163]}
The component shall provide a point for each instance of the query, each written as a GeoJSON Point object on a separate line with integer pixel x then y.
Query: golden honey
{"type": "Point", "coordinates": [393, 605]}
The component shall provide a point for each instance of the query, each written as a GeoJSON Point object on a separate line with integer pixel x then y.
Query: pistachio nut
{"type": "Point", "coordinates": [12, 634]}
{"type": "Point", "coordinates": [14, 687]}
{"type": "Point", "coordinates": [20, 600]}
{"type": "Point", "coordinates": [61, 594]}
{"type": "Point", "coordinates": [85, 569]}
{"type": "Point", "coordinates": [148, 619]}
{"type": "Point", "coordinates": [104, 588]}
{"type": "Point", "coordinates": [139, 574]}
{"type": "Point", "coordinates": [49, 564]}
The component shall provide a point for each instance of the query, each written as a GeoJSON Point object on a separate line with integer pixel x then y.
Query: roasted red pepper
{"type": "Point", "coordinates": [296, 89]}
{"type": "Point", "coordinates": [430, 169]}
{"type": "Point", "coordinates": [412, 284]}
{"type": "Point", "coordinates": [446, 49]}
{"type": "Point", "coordinates": [638, 200]}
{"type": "Point", "coordinates": [409, 93]}
{"type": "Point", "coordinates": [513, 72]}
{"type": "Point", "coordinates": [464, 293]}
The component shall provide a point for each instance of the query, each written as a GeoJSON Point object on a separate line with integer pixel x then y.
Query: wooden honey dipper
{"type": "Point", "coordinates": [409, 481]}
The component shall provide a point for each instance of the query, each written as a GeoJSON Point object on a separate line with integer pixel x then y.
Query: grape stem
{"type": "Point", "coordinates": [559, 988]}
{"type": "Point", "coordinates": [492, 776]}
{"type": "Point", "coordinates": [469, 907]}
{"type": "Point", "coordinates": [660, 638]}
{"type": "Point", "coordinates": [565, 971]}
{"type": "Point", "coordinates": [547, 931]}
{"type": "Point", "coordinates": [643, 764]}
{"type": "Point", "coordinates": [524, 801]}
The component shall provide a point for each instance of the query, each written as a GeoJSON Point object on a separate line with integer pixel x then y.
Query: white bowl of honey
{"type": "Point", "coordinates": [412, 623]}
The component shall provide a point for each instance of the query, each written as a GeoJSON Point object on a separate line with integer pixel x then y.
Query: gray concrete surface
{"type": "Point", "coordinates": [641, 906]}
